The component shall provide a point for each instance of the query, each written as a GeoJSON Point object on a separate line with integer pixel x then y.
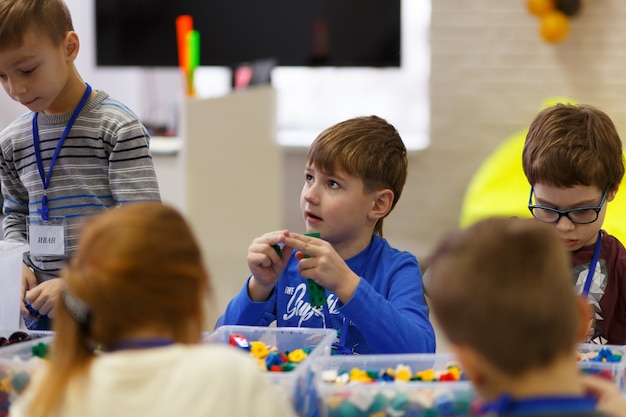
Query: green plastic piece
{"type": "Point", "coordinates": [317, 293]}
{"type": "Point", "coordinates": [40, 350]}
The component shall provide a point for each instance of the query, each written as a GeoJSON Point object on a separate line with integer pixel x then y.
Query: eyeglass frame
{"type": "Point", "coordinates": [566, 213]}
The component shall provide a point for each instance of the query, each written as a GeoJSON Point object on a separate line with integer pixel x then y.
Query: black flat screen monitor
{"type": "Point", "coordinates": [336, 33]}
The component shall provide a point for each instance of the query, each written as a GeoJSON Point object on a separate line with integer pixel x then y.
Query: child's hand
{"type": "Point", "coordinates": [609, 397]}
{"type": "Point", "coordinates": [44, 296]}
{"type": "Point", "coordinates": [265, 263]}
{"type": "Point", "coordinates": [320, 262]}
{"type": "Point", "coordinates": [29, 281]}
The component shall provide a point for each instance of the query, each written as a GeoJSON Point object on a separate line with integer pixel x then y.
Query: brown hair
{"type": "Point", "coordinates": [570, 145]}
{"type": "Point", "coordinates": [52, 17]}
{"type": "Point", "coordinates": [368, 147]}
{"type": "Point", "coordinates": [137, 267]}
{"type": "Point", "coordinates": [503, 287]}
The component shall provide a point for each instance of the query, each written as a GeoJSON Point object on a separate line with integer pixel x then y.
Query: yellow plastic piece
{"type": "Point", "coordinates": [403, 373]}
{"type": "Point", "coordinates": [258, 349]}
{"type": "Point", "coordinates": [456, 372]}
{"type": "Point", "coordinates": [297, 356]}
{"type": "Point", "coordinates": [426, 375]}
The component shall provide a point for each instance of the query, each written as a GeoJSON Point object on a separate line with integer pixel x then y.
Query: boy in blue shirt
{"type": "Point", "coordinates": [373, 293]}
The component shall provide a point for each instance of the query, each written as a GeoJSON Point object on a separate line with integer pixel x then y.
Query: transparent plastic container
{"type": "Point", "coordinates": [607, 361]}
{"type": "Point", "coordinates": [296, 384]}
{"type": "Point", "coordinates": [11, 255]}
{"type": "Point", "coordinates": [391, 398]}
{"type": "Point", "coordinates": [10, 334]}
{"type": "Point", "coordinates": [18, 364]}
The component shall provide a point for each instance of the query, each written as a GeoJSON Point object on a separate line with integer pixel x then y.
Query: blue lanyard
{"type": "Point", "coordinates": [45, 179]}
{"type": "Point", "coordinates": [592, 266]}
{"type": "Point", "coordinates": [505, 405]}
{"type": "Point", "coordinates": [340, 346]}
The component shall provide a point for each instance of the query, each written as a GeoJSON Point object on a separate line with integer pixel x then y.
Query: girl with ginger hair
{"type": "Point", "coordinates": [129, 326]}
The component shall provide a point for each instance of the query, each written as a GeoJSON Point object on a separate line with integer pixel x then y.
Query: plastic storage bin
{"type": "Point", "coordinates": [17, 366]}
{"type": "Point", "coordinates": [10, 283]}
{"type": "Point", "coordinates": [391, 398]}
{"type": "Point", "coordinates": [606, 360]}
{"type": "Point", "coordinates": [296, 384]}
{"type": "Point", "coordinates": [29, 334]}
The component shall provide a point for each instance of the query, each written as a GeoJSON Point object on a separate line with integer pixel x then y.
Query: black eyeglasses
{"type": "Point", "coordinates": [578, 215]}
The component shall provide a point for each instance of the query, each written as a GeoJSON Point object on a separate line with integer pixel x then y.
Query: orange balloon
{"type": "Point", "coordinates": [554, 26]}
{"type": "Point", "coordinates": [540, 7]}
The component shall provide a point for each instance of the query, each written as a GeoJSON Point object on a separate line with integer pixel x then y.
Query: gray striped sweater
{"type": "Point", "coordinates": [105, 161]}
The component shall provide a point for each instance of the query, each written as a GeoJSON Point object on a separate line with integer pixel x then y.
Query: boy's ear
{"type": "Point", "coordinates": [71, 45]}
{"type": "Point", "coordinates": [471, 362]}
{"type": "Point", "coordinates": [611, 194]}
{"type": "Point", "coordinates": [383, 199]}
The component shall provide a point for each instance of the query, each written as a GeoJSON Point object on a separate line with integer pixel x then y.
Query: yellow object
{"type": "Point", "coordinates": [359, 375]}
{"type": "Point", "coordinates": [554, 26]}
{"type": "Point", "coordinates": [297, 356]}
{"type": "Point", "coordinates": [456, 372]}
{"type": "Point", "coordinates": [500, 188]}
{"type": "Point", "coordinates": [5, 384]}
{"type": "Point", "coordinates": [427, 375]}
{"type": "Point", "coordinates": [258, 349]}
{"type": "Point", "coordinates": [403, 373]}
{"type": "Point", "coordinates": [540, 7]}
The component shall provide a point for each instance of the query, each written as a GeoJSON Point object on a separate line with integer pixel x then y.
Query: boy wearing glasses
{"type": "Point", "coordinates": [574, 161]}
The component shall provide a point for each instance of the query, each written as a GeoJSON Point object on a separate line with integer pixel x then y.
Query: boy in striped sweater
{"type": "Point", "coordinates": [76, 152]}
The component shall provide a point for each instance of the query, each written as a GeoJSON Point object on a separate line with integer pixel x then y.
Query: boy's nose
{"type": "Point", "coordinates": [565, 224]}
{"type": "Point", "coordinates": [16, 88]}
{"type": "Point", "coordinates": [310, 194]}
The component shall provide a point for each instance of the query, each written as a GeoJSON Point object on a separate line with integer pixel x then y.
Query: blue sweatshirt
{"type": "Point", "coordinates": [386, 314]}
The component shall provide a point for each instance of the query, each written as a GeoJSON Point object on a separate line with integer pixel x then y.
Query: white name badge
{"type": "Point", "coordinates": [46, 237]}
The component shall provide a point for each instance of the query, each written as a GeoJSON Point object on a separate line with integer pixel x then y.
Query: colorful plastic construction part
{"type": "Point", "coordinates": [401, 373]}
{"type": "Point", "coordinates": [259, 349]}
{"type": "Point", "coordinates": [32, 310]}
{"type": "Point", "coordinates": [606, 355]}
{"type": "Point", "coordinates": [20, 381]}
{"type": "Point", "coordinates": [238, 341]}
{"type": "Point", "coordinates": [297, 356]}
{"type": "Point", "coordinates": [317, 293]}
{"type": "Point", "coordinates": [271, 359]}
{"type": "Point", "coordinates": [40, 350]}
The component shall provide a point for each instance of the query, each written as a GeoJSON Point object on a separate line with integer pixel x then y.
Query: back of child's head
{"type": "Point", "coordinates": [367, 147]}
{"type": "Point", "coordinates": [138, 268]}
{"type": "Point", "coordinates": [569, 145]}
{"type": "Point", "coordinates": [51, 17]}
{"type": "Point", "coordinates": [503, 288]}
